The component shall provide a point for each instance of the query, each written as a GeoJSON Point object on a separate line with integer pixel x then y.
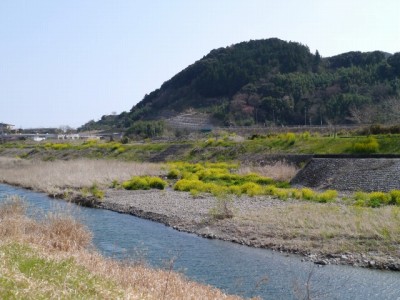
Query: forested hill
{"type": "Point", "coordinates": [276, 82]}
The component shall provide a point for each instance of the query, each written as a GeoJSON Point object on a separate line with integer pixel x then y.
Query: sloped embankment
{"type": "Point", "coordinates": [351, 174]}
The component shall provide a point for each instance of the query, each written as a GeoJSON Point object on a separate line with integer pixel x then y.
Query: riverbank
{"type": "Point", "coordinates": [54, 259]}
{"type": "Point", "coordinates": [322, 233]}
{"type": "Point", "coordinates": [330, 233]}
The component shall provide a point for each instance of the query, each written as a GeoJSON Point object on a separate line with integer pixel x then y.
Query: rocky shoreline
{"type": "Point", "coordinates": [184, 212]}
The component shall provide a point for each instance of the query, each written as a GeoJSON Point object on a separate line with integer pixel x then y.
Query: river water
{"type": "Point", "coordinates": [233, 268]}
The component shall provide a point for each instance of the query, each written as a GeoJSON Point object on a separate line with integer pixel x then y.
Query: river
{"type": "Point", "coordinates": [233, 268]}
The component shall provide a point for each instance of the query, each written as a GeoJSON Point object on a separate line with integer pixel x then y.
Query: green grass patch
{"type": "Point", "coordinates": [30, 276]}
{"type": "Point", "coordinates": [369, 145]}
{"type": "Point", "coordinates": [223, 148]}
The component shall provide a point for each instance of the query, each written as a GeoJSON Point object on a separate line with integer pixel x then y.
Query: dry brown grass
{"type": "Point", "coordinates": [61, 238]}
{"type": "Point", "coordinates": [54, 231]}
{"type": "Point", "coordinates": [280, 171]}
{"type": "Point", "coordinates": [329, 228]}
{"type": "Point", "coordinates": [47, 176]}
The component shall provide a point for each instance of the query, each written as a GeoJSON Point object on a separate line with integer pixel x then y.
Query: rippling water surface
{"type": "Point", "coordinates": [233, 268]}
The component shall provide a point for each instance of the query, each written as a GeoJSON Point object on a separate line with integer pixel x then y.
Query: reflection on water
{"type": "Point", "coordinates": [234, 268]}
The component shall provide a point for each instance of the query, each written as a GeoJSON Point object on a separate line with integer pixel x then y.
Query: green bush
{"type": "Point", "coordinates": [186, 185]}
{"type": "Point", "coordinates": [327, 196]}
{"type": "Point", "coordinates": [361, 199]}
{"type": "Point", "coordinates": [373, 199]}
{"type": "Point", "coordinates": [270, 190]}
{"type": "Point", "coordinates": [144, 183]}
{"type": "Point", "coordinates": [282, 194]}
{"type": "Point", "coordinates": [296, 194]}
{"type": "Point", "coordinates": [173, 174]}
{"type": "Point", "coordinates": [251, 189]}
{"type": "Point", "coordinates": [395, 197]}
{"type": "Point", "coordinates": [194, 186]}
{"type": "Point", "coordinates": [235, 189]}
{"type": "Point", "coordinates": [290, 138]}
{"type": "Point", "coordinates": [308, 194]}
{"type": "Point", "coordinates": [156, 183]}
{"type": "Point", "coordinates": [136, 183]}
{"type": "Point", "coordinates": [377, 199]}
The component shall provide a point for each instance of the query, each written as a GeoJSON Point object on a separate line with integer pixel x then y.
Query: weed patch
{"type": "Point", "coordinates": [94, 191]}
{"type": "Point", "coordinates": [370, 145]}
{"type": "Point", "coordinates": [144, 183]}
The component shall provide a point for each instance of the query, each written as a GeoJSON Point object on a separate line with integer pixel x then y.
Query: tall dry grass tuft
{"type": "Point", "coordinates": [280, 171]}
{"type": "Point", "coordinates": [59, 237]}
{"type": "Point", "coordinates": [65, 233]}
{"type": "Point", "coordinates": [47, 176]}
{"type": "Point", "coordinates": [55, 231]}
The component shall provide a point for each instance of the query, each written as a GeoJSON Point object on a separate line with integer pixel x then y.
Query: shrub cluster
{"type": "Point", "coordinates": [220, 179]}
{"type": "Point", "coordinates": [144, 183]}
{"type": "Point", "coordinates": [377, 199]}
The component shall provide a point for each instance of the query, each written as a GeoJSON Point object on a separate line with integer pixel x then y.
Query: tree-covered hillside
{"type": "Point", "coordinates": [273, 82]}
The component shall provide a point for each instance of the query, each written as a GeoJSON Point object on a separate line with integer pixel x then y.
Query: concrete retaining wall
{"type": "Point", "coordinates": [351, 174]}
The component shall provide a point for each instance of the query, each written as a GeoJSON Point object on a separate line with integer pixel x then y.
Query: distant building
{"type": "Point", "coordinates": [6, 127]}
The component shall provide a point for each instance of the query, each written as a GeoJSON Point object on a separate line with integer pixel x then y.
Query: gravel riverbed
{"type": "Point", "coordinates": [185, 212]}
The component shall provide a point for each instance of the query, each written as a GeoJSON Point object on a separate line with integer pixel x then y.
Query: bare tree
{"type": "Point", "coordinates": [387, 112]}
{"type": "Point", "coordinates": [65, 128]}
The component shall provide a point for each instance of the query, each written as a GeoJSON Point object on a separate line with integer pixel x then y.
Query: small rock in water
{"type": "Point", "coordinates": [372, 263]}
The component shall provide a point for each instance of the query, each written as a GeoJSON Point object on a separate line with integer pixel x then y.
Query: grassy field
{"type": "Point", "coordinates": [52, 259]}
{"type": "Point", "coordinates": [212, 147]}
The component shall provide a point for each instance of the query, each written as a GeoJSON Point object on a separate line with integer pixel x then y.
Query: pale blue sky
{"type": "Point", "coordinates": [65, 62]}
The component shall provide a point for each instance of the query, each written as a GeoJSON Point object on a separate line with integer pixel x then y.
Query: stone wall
{"type": "Point", "coordinates": [351, 174]}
